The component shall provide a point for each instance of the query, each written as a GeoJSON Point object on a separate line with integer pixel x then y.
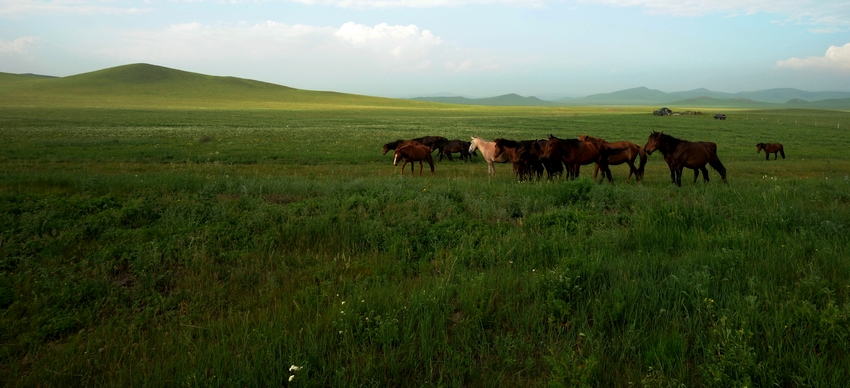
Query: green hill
{"type": "Point", "coordinates": [144, 85]}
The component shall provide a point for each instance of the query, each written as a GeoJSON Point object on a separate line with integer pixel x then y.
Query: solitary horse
{"type": "Point", "coordinates": [488, 152]}
{"type": "Point", "coordinates": [413, 152]}
{"type": "Point", "coordinates": [631, 152]}
{"type": "Point", "coordinates": [771, 148]}
{"type": "Point", "coordinates": [575, 153]}
{"type": "Point", "coordinates": [682, 153]}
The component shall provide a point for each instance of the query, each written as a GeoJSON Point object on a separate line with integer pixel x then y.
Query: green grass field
{"type": "Point", "coordinates": [221, 244]}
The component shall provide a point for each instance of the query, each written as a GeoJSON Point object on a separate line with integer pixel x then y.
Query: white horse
{"type": "Point", "coordinates": [488, 149]}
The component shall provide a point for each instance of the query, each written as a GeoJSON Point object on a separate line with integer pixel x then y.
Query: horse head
{"type": "Point", "coordinates": [653, 143]}
{"type": "Point", "coordinates": [759, 147]}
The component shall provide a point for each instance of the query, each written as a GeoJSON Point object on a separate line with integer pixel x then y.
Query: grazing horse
{"type": "Point", "coordinates": [771, 148]}
{"type": "Point", "coordinates": [682, 153]}
{"type": "Point", "coordinates": [447, 147]}
{"type": "Point", "coordinates": [630, 152]}
{"type": "Point", "coordinates": [413, 152]}
{"type": "Point", "coordinates": [488, 152]}
{"type": "Point", "coordinates": [524, 155]}
{"type": "Point", "coordinates": [576, 153]}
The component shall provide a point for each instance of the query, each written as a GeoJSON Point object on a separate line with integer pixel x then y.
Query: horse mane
{"type": "Point", "coordinates": [506, 143]}
{"type": "Point", "coordinates": [591, 138]}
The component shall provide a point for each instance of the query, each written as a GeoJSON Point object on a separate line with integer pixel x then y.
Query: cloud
{"type": "Point", "coordinates": [836, 58]}
{"type": "Point", "coordinates": [382, 47]}
{"type": "Point", "coordinates": [816, 12]}
{"type": "Point", "coordinates": [397, 41]}
{"type": "Point", "coordinates": [18, 46]}
{"type": "Point", "coordinates": [418, 3]}
{"type": "Point", "coordinates": [13, 8]}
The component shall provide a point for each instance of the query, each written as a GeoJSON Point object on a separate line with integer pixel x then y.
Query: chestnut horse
{"type": "Point", "coordinates": [682, 153]}
{"type": "Point", "coordinates": [771, 148]}
{"type": "Point", "coordinates": [488, 151]}
{"type": "Point", "coordinates": [413, 152]}
{"type": "Point", "coordinates": [575, 153]}
{"type": "Point", "coordinates": [631, 152]}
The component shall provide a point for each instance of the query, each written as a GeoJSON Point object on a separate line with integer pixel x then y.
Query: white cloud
{"type": "Point", "coordinates": [418, 3]}
{"type": "Point", "coordinates": [12, 8]}
{"type": "Point", "coordinates": [836, 58]}
{"type": "Point", "coordinates": [18, 46]}
{"type": "Point", "coordinates": [820, 12]}
{"type": "Point", "coordinates": [398, 41]}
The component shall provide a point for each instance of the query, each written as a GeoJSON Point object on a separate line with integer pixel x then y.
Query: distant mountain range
{"type": "Point", "coordinates": [145, 85]}
{"type": "Point", "coordinates": [771, 98]}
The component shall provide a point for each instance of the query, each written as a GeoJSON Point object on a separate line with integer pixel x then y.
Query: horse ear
{"type": "Point", "coordinates": [550, 136]}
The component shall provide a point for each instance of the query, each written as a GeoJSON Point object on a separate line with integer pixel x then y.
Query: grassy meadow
{"type": "Point", "coordinates": [179, 246]}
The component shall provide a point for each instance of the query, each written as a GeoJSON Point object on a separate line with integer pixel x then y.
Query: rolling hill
{"type": "Point", "coordinates": [149, 86]}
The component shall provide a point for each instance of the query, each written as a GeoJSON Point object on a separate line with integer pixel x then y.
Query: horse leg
{"type": "Point", "coordinates": [450, 156]}
{"type": "Point", "coordinates": [704, 174]}
{"type": "Point", "coordinates": [596, 171]}
{"type": "Point", "coordinates": [431, 163]}
{"type": "Point", "coordinates": [420, 167]}
{"type": "Point", "coordinates": [696, 175]}
{"type": "Point", "coordinates": [679, 177]}
{"type": "Point", "coordinates": [606, 170]}
{"type": "Point", "coordinates": [405, 164]}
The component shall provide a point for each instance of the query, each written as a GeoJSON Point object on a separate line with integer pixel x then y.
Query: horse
{"type": "Point", "coordinates": [554, 167]}
{"type": "Point", "coordinates": [771, 148]}
{"type": "Point", "coordinates": [631, 152]}
{"type": "Point", "coordinates": [412, 152]}
{"type": "Point", "coordinates": [524, 155]}
{"type": "Point", "coordinates": [576, 153]}
{"type": "Point", "coordinates": [488, 151]}
{"type": "Point", "coordinates": [682, 153]}
{"type": "Point", "coordinates": [430, 141]}
{"type": "Point", "coordinates": [392, 145]}
{"type": "Point", "coordinates": [447, 147]}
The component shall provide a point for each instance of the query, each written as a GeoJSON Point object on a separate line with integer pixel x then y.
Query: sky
{"type": "Point", "coordinates": [474, 48]}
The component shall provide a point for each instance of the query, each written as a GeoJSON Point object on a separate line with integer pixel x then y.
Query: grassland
{"type": "Point", "coordinates": [219, 245]}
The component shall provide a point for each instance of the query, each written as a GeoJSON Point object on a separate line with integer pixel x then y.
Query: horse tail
{"type": "Point", "coordinates": [642, 165]}
{"type": "Point", "coordinates": [782, 151]}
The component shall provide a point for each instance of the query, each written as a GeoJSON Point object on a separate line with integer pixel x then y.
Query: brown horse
{"type": "Point", "coordinates": [682, 153]}
{"type": "Point", "coordinates": [447, 147]}
{"type": "Point", "coordinates": [771, 148]}
{"type": "Point", "coordinates": [430, 141]}
{"type": "Point", "coordinates": [575, 153]}
{"type": "Point", "coordinates": [392, 145]}
{"type": "Point", "coordinates": [413, 152]}
{"type": "Point", "coordinates": [524, 155]}
{"type": "Point", "coordinates": [554, 167]}
{"type": "Point", "coordinates": [630, 152]}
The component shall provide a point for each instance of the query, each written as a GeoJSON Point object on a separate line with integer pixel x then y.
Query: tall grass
{"type": "Point", "coordinates": [130, 257]}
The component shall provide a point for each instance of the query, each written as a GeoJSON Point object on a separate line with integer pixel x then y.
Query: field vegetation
{"type": "Point", "coordinates": [220, 244]}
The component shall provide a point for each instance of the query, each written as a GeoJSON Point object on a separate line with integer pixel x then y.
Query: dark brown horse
{"type": "Point", "coordinates": [771, 148]}
{"type": "Point", "coordinates": [392, 145]}
{"type": "Point", "coordinates": [430, 141]}
{"type": "Point", "coordinates": [524, 155]}
{"type": "Point", "coordinates": [575, 153]}
{"type": "Point", "coordinates": [680, 154]}
{"type": "Point", "coordinates": [447, 147]}
{"type": "Point", "coordinates": [554, 167]}
{"type": "Point", "coordinates": [413, 152]}
{"type": "Point", "coordinates": [631, 151]}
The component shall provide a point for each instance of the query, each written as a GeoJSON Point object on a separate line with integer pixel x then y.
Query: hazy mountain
{"type": "Point", "coordinates": [504, 100]}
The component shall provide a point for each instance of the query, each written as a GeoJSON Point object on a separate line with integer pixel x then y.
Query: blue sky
{"type": "Point", "coordinates": [476, 48]}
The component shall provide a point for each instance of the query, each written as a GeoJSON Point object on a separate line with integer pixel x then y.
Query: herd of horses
{"type": "Point", "coordinates": [558, 157]}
